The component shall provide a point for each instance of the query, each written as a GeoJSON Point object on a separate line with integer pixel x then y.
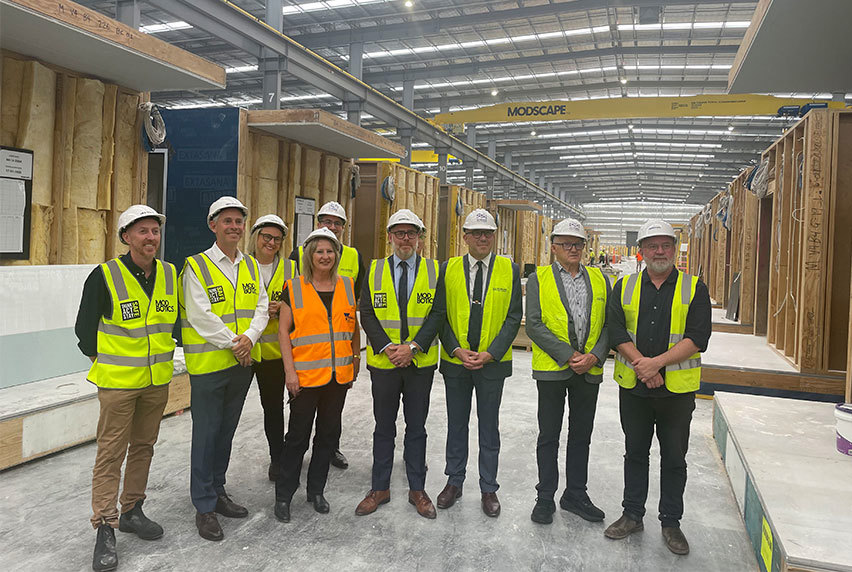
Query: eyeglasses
{"type": "Point", "coordinates": [567, 246]}
{"type": "Point", "coordinates": [666, 246]}
{"type": "Point", "coordinates": [327, 222]}
{"type": "Point", "coordinates": [269, 238]}
{"type": "Point", "coordinates": [401, 234]}
{"type": "Point", "coordinates": [481, 233]}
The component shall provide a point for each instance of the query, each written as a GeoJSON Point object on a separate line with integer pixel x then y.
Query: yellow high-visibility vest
{"type": "Point", "coordinates": [235, 305]}
{"type": "Point", "coordinates": [269, 347]}
{"type": "Point", "coordinates": [135, 344]}
{"type": "Point", "coordinates": [495, 305]}
{"type": "Point", "coordinates": [386, 307]}
{"type": "Point", "coordinates": [554, 315]}
{"type": "Point", "coordinates": [680, 377]}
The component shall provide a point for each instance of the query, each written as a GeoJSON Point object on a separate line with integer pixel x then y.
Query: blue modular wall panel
{"type": "Point", "coordinates": [202, 166]}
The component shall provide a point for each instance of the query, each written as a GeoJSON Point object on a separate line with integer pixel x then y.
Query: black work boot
{"type": "Point", "coordinates": [135, 520]}
{"type": "Point", "coordinates": [105, 557]}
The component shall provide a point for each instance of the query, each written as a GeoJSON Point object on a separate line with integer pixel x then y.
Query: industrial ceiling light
{"type": "Point", "coordinates": [409, 3]}
{"type": "Point", "coordinates": [730, 127]}
{"type": "Point", "coordinates": [623, 80]}
{"type": "Point", "coordinates": [494, 92]}
{"type": "Point", "coordinates": [532, 133]}
{"type": "Point", "coordinates": [630, 127]}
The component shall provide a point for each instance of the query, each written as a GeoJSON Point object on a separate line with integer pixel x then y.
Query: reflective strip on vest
{"type": "Point", "coordinates": [319, 338]}
{"type": "Point", "coordinates": [135, 345]}
{"type": "Point", "coordinates": [495, 305]}
{"type": "Point", "coordinates": [680, 377]}
{"type": "Point", "coordinates": [383, 297]}
{"type": "Point", "coordinates": [235, 307]}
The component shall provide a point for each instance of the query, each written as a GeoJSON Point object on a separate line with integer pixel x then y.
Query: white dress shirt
{"type": "Point", "coordinates": [200, 314]}
{"type": "Point", "coordinates": [486, 262]}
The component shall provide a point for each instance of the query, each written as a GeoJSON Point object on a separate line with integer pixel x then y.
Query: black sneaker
{"type": "Point", "coordinates": [543, 510]}
{"type": "Point", "coordinates": [583, 508]}
{"type": "Point", "coordinates": [135, 521]}
{"type": "Point", "coordinates": [105, 557]}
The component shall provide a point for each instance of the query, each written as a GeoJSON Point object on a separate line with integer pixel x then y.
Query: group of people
{"type": "Point", "coordinates": [293, 325]}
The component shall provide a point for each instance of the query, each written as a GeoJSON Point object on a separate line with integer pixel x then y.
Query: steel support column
{"type": "Point", "coordinates": [352, 105]}
{"type": "Point", "coordinates": [127, 12]}
{"type": "Point", "coordinates": [270, 63]}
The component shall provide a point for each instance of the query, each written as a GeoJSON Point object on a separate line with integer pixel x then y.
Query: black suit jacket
{"type": "Point", "coordinates": [437, 324]}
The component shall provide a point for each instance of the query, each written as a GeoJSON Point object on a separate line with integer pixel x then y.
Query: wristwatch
{"type": "Point", "coordinates": [414, 348]}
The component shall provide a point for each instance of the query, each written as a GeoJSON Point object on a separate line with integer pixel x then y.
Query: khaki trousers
{"type": "Point", "coordinates": [128, 426]}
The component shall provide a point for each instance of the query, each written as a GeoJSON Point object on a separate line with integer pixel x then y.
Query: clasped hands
{"type": "Point", "coordinates": [582, 363]}
{"type": "Point", "coordinates": [242, 349]}
{"type": "Point", "coordinates": [472, 360]}
{"type": "Point", "coordinates": [648, 371]}
{"type": "Point", "coordinates": [400, 355]}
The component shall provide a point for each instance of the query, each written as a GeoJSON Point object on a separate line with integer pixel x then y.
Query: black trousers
{"type": "Point", "coordinates": [270, 382]}
{"type": "Point", "coordinates": [670, 417]}
{"type": "Point", "coordinates": [489, 394]}
{"type": "Point", "coordinates": [582, 403]}
{"type": "Point", "coordinates": [414, 385]}
{"type": "Point", "coordinates": [217, 402]}
{"type": "Point", "coordinates": [324, 403]}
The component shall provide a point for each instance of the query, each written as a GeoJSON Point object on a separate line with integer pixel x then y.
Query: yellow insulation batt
{"type": "Point", "coordinates": [69, 236]}
{"type": "Point", "coordinates": [330, 179]}
{"type": "Point", "coordinates": [35, 126]}
{"type": "Point", "coordinates": [88, 130]}
{"type": "Point", "coordinates": [10, 100]}
{"type": "Point", "coordinates": [91, 236]}
{"type": "Point", "coordinates": [267, 197]}
{"type": "Point", "coordinates": [107, 147]}
{"type": "Point", "coordinates": [311, 164]}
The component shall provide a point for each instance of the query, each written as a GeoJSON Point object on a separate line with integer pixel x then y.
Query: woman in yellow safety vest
{"type": "Point", "coordinates": [320, 346]}
{"type": "Point", "coordinates": [264, 244]}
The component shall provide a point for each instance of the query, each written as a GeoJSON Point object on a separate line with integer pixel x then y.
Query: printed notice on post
{"type": "Point", "coordinates": [13, 202]}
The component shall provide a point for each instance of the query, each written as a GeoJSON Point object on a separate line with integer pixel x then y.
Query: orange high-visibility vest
{"type": "Point", "coordinates": [322, 344]}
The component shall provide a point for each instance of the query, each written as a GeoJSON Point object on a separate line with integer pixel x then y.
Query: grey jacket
{"type": "Point", "coordinates": [561, 351]}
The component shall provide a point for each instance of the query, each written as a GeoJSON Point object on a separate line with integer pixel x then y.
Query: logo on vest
{"type": "Point", "coordinates": [498, 289]}
{"type": "Point", "coordinates": [163, 306]}
{"type": "Point", "coordinates": [250, 288]}
{"type": "Point", "coordinates": [380, 300]}
{"type": "Point", "coordinates": [276, 296]}
{"type": "Point", "coordinates": [424, 297]}
{"type": "Point", "coordinates": [216, 294]}
{"type": "Point", "coordinates": [130, 310]}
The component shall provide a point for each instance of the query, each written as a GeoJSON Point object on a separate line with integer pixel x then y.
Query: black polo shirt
{"type": "Point", "coordinates": [97, 301]}
{"type": "Point", "coordinates": [654, 323]}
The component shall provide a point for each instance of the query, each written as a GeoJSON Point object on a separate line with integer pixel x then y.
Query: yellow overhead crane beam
{"type": "Point", "coordinates": [627, 108]}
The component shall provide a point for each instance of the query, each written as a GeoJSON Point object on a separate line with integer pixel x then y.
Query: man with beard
{"type": "Point", "coordinates": [659, 323]}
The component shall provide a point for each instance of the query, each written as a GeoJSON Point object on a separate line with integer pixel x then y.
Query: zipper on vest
{"type": "Point", "coordinates": [147, 333]}
{"type": "Point", "coordinates": [331, 334]}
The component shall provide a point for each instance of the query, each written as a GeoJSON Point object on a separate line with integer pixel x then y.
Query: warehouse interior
{"type": "Point", "coordinates": [729, 119]}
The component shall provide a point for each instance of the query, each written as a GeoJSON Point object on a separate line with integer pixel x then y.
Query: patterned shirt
{"type": "Point", "coordinates": [577, 295]}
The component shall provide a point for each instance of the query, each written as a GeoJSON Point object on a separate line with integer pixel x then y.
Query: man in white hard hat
{"type": "Point", "coordinates": [224, 311]}
{"type": "Point", "coordinates": [479, 298]}
{"type": "Point", "coordinates": [566, 321]}
{"type": "Point", "coordinates": [659, 323]}
{"type": "Point", "coordinates": [332, 216]}
{"type": "Point", "coordinates": [396, 301]}
{"type": "Point", "coordinates": [125, 325]}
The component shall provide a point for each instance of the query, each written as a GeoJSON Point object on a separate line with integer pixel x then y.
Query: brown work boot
{"type": "Point", "coordinates": [675, 540]}
{"type": "Point", "coordinates": [623, 527]}
{"type": "Point", "coordinates": [448, 496]}
{"type": "Point", "coordinates": [372, 501]}
{"type": "Point", "coordinates": [422, 503]}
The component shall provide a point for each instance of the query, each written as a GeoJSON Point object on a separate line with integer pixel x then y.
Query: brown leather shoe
{"type": "Point", "coordinates": [448, 496]}
{"type": "Point", "coordinates": [623, 527]}
{"type": "Point", "coordinates": [422, 503]}
{"type": "Point", "coordinates": [675, 540]}
{"type": "Point", "coordinates": [372, 501]}
{"type": "Point", "coordinates": [490, 504]}
{"type": "Point", "coordinates": [208, 526]}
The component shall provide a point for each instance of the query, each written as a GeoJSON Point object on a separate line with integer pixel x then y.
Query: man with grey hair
{"type": "Point", "coordinates": [659, 323]}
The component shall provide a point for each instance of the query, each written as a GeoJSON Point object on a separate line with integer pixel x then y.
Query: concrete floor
{"type": "Point", "coordinates": [45, 505]}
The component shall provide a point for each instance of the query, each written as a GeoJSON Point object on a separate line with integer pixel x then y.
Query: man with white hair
{"type": "Point", "coordinates": [659, 323]}
{"type": "Point", "coordinates": [566, 321]}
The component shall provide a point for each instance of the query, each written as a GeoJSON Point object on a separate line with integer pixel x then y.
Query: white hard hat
{"type": "Point", "coordinates": [270, 220]}
{"type": "Point", "coordinates": [323, 232]}
{"type": "Point", "coordinates": [655, 227]}
{"type": "Point", "coordinates": [405, 216]}
{"type": "Point", "coordinates": [479, 219]}
{"type": "Point", "coordinates": [134, 213]}
{"type": "Point", "coordinates": [569, 227]}
{"type": "Point", "coordinates": [223, 203]}
{"type": "Point", "coordinates": [332, 208]}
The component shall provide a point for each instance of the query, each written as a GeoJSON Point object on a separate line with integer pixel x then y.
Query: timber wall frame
{"type": "Point", "coordinates": [793, 247]}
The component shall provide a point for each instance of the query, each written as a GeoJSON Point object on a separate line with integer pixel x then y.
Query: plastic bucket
{"type": "Point", "coordinates": [843, 415]}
